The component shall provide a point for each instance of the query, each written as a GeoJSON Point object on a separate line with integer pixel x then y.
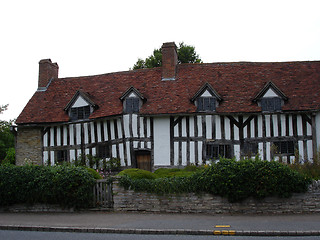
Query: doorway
{"type": "Point", "coordinates": [143, 160]}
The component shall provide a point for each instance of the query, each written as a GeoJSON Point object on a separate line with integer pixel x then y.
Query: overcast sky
{"type": "Point", "coordinates": [95, 37]}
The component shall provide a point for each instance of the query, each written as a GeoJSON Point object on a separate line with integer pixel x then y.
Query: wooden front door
{"type": "Point", "coordinates": [143, 160]}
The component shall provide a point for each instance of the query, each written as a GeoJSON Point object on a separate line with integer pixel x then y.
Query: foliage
{"type": "Point", "coordinates": [176, 172]}
{"type": "Point", "coordinates": [10, 156]}
{"type": "Point", "coordinates": [235, 180]}
{"type": "Point", "coordinates": [94, 173]}
{"type": "Point", "coordinates": [103, 167]}
{"type": "Point", "coordinates": [186, 54]}
{"type": "Point", "coordinates": [310, 169]}
{"type": "Point", "coordinates": [67, 186]}
{"type": "Point", "coordinates": [135, 173]}
{"type": "Point", "coordinates": [238, 180]}
{"type": "Point", "coordinates": [6, 137]}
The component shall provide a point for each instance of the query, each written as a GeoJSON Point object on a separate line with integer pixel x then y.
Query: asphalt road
{"type": "Point", "coordinates": [27, 235]}
{"type": "Point", "coordinates": [164, 221]}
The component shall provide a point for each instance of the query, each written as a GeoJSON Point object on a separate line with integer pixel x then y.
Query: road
{"type": "Point", "coordinates": [29, 235]}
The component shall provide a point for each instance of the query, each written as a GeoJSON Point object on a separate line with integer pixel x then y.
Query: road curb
{"type": "Point", "coordinates": [157, 231]}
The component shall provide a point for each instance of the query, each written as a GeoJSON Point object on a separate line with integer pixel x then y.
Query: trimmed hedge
{"type": "Point", "coordinates": [67, 186]}
{"type": "Point", "coordinates": [235, 180]}
{"type": "Point", "coordinates": [136, 173]}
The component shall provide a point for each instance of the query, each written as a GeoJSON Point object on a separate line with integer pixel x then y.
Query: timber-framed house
{"type": "Point", "coordinates": [174, 115]}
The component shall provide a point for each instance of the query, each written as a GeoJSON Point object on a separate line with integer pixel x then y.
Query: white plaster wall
{"type": "Point", "coordinates": [134, 125]}
{"type": "Point", "coordinates": [206, 94]}
{"type": "Point", "coordinates": [237, 152]}
{"type": "Point", "coordinates": [270, 93]}
{"type": "Point", "coordinates": [227, 128]}
{"type": "Point", "coordinates": [267, 121]}
{"type": "Point", "coordinates": [99, 131]}
{"type": "Point", "coordinates": [218, 127]}
{"type": "Point", "coordinates": [176, 153]}
{"type": "Point", "coordinates": [51, 137]}
{"type": "Point", "coordinates": [209, 126]}
{"type": "Point", "coordinates": [80, 102]}
{"type": "Point", "coordinates": [283, 125]}
{"type": "Point", "coordinates": [192, 157]}
{"type": "Point", "coordinates": [65, 135]}
{"type": "Point", "coordinates": [161, 141]}
{"type": "Point", "coordinates": [275, 125]}
{"type": "Point", "coordinates": [191, 126]}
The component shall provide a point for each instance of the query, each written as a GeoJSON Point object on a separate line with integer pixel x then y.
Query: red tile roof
{"type": "Point", "coordinates": [236, 83]}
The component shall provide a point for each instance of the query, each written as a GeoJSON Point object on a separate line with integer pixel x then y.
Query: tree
{"type": "Point", "coordinates": [6, 139]}
{"type": "Point", "coordinates": [186, 54]}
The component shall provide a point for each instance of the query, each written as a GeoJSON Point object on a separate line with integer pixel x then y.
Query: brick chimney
{"type": "Point", "coordinates": [47, 72]}
{"type": "Point", "coordinates": [169, 61]}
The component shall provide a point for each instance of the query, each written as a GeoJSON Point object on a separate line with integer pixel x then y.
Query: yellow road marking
{"type": "Point", "coordinates": [217, 232]}
{"type": "Point", "coordinates": [222, 226]}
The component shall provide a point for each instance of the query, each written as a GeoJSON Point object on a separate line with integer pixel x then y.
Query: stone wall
{"type": "Point", "coordinates": [128, 200]}
{"type": "Point", "coordinates": [29, 146]}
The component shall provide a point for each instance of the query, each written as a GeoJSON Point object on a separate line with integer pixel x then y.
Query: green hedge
{"type": "Point", "coordinates": [136, 173]}
{"type": "Point", "coordinates": [67, 186]}
{"type": "Point", "coordinates": [235, 180]}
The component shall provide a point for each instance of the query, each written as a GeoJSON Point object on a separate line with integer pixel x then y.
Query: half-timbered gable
{"type": "Point", "coordinates": [174, 115]}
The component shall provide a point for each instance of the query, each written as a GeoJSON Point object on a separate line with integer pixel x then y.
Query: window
{"type": "Point", "coordinates": [77, 113]}
{"type": "Point", "coordinates": [206, 104]}
{"type": "Point", "coordinates": [271, 104]}
{"type": "Point", "coordinates": [214, 151]}
{"type": "Point", "coordinates": [61, 156]}
{"type": "Point", "coordinates": [250, 148]}
{"type": "Point", "coordinates": [103, 151]}
{"type": "Point", "coordinates": [284, 147]}
{"type": "Point", "coordinates": [132, 105]}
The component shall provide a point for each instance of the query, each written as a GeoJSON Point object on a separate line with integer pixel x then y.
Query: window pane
{"type": "Point", "coordinates": [214, 151]}
{"type": "Point", "coordinates": [206, 104]}
{"type": "Point", "coordinates": [80, 113]}
{"type": "Point", "coordinates": [271, 104]}
{"type": "Point", "coordinates": [62, 156]}
{"type": "Point", "coordinates": [132, 105]}
{"type": "Point", "coordinates": [103, 151]}
{"type": "Point", "coordinates": [284, 147]}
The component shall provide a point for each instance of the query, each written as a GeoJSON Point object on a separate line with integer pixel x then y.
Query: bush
{"type": "Point", "coordinates": [176, 172]}
{"type": "Point", "coordinates": [235, 180]}
{"type": "Point", "coordinates": [311, 170]}
{"type": "Point", "coordinates": [63, 185]}
{"type": "Point", "coordinates": [136, 173]}
{"type": "Point", "coordinates": [94, 173]}
{"type": "Point", "coordinates": [10, 157]}
{"type": "Point", "coordinates": [238, 180]}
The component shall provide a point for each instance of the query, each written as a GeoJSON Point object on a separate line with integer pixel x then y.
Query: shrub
{"type": "Point", "coordinates": [63, 185]}
{"type": "Point", "coordinates": [238, 180]}
{"type": "Point", "coordinates": [176, 172]}
{"type": "Point", "coordinates": [136, 173]}
{"type": "Point", "coordinates": [94, 173]}
{"type": "Point", "coordinates": [311, 170]}
{"type": "Point", "coordinates": [235, 180]}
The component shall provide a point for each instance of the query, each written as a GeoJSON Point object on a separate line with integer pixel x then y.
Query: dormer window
{"type": "Point", "coordinates": [132, 105]}
{"type": "Point", "coordinates": [206, 104]}
{"type": "Point", "coordinates": [271, 104]}
{"type": "Point", "coordinates": [80, 106]}
{"type": "Point", "coordinates": [270, 98]}
{"type": "Point", "coordinates": [77, 113]}
{"type": "Point", "coordinates": [206, 99]}
{"type": "Point", "coordinates": [132, 101]}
